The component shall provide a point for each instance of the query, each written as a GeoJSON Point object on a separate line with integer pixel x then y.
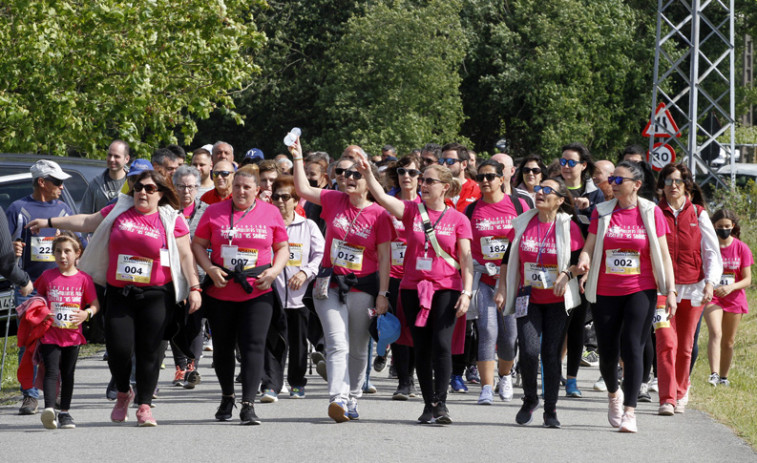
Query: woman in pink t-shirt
{"type": "Point", "coordinates": [626, 268]}
{"type": "Point", "coordinates": [433, 292]}
{"type": "Point", "coordinates": [148, 270]}
{"type": "Point", "coordinates": [248, 246]}
{"type": "Point", "coordinates": [729, 304]}
{"type": "Point", "coordinates": [354, 277]}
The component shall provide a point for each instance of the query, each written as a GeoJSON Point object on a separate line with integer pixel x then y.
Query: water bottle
{"type": "Point", "coordinates": [292, 136]}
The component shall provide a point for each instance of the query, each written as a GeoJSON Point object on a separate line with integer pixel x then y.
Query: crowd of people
{"type": "Point", "coordinates": [486, 268]}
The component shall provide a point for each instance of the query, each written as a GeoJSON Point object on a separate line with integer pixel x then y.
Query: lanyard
{"type": "Point", "coordinates": [543, 240]}
{"type": "Point", "coordinates": [349, 229]}
{"type": "Point", "coordinates": [231, 218]}
{"type": "Point", "coordinates": [433, 229]}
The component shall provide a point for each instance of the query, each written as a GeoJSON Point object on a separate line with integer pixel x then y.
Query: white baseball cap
{"type": "Point", "coordinates": [45, 168]}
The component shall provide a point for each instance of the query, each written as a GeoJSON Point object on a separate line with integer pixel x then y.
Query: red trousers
{"type": "Point", "coordinates": [674, 346]}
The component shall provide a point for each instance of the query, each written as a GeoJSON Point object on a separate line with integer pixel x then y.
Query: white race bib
{"type": "Point", "coordinates": [232, 255]}
{"type": "Point", "coordinates": [424, 264]}
{"type": "Point", "coordinates": [398, 252]}
{"type": "Point", "coordinates": [295, 255]}
{"type": "Point", "coordinates": [62, 314]}
{"type": "Point", "coordinates": [347, 255]}
{"type": "Point", "coordinates": [622, 262]}
{"type": "Point", "coordinates": [494, 247]}
{"type": "Point", "coordinates": [728, 278]}
{"type": "Point", "coordinates": [660, 319]}
{"type": "Point", "coordinates": [539, 276]}
{"type": "Point", "coordinates": [42, 249]}
{"type": "Point", "coordinates": [133, 269]}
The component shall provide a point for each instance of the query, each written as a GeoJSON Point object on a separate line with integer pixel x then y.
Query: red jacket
{"type": "Point", "coordinates": [469, 193]}
{"type": "Point", "coordinates": [685, 242]}
{"type": "Point", "coordinates": [33, 325]}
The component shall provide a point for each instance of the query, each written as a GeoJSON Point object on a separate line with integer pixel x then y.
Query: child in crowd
{"type": "Point", "coordinates": [729, 303]}
{"type": "Point", "coordinates": [67, 291]}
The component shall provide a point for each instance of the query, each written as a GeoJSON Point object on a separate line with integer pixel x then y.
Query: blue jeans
{"type": "Point", "coordinates": [33, 392]}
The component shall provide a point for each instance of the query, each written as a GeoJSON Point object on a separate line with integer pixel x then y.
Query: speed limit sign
{"type": "Point", "coordinates": [661, 155]}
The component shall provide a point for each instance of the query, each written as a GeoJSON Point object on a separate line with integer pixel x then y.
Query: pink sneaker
{"type": "Point", "coordinates": [628, 423]}
{"type": "Point", "coordinates": [121, 408]}
{"type": "Point", "coordinates": [144, 416]}
{"type": "Point", "coordinates": [615, 410]}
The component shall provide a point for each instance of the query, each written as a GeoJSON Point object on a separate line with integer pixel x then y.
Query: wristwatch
{"type": "Point", "coordinates": [384, 293]}
{"type": "Point", "coordinates": [467, 293]}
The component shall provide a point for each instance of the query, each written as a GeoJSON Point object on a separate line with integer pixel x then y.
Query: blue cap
{"type": "Point", "coordinates": [389, 329]}
{"type": "Point", "coordinates": [255, 153]}
{"type": "Point", "coordinates": [139, 166]}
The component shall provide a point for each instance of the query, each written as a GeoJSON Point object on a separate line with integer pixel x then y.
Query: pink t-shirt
{"type": "Point", "coordinates": [352, 234]}
{"type": "Point", "coordinates": [65, 295]}
{"type": "Point", "coordinates": [254, 234]}
{"type": "Point", "coordinates": [626, 247]}
{"type": "Point", "coordinates": [452, 227]}
{"type": "Point", "coordinates": [538, 258]}
{"type": "Point", "coordinates": [399, 246]}
{"type": "Point", "coordinates": [491, 225]}
{"type": "Point", "coordinates": [135, 247]}
{"type": "Point", "coordinates": [735, 257]}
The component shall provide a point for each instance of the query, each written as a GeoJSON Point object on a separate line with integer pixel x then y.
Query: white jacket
{"type": "Point", "coordinates": [96, 258]}
{"type": "Point", "coordinates": [304, 232]}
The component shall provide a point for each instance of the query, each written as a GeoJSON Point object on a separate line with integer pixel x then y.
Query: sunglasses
{"type": "Point", "coordinates": [669, 181]}
{"type": "Point", "coordinates": [569, 162]}
{"type": "Point", "coordinates": [410, 172]}
{"type": "Point", "coordinates": [428, 161]}
{"type": "Point", "coordinates": [429, 180]}
{"type": "Point", "coordinates": [284, 197]}
{"type": "Point", "coordinates": [55, 181]}
{"type": "Point", "coordinates": [149, 188]}
{"type": "Point", "coordinates": [340, 171]}
{"type": "Point", "coordinates": [546, 190]}
{"type": "Point", "coordinates": [531, 170]}
{"type": "Point", "coordinates": [617, 179]}
{"type": "Point", "coordinates": [353, 173]}
{"type": "Point", "coordinates": [448, 161]}
{"type": "Point", "coordinates": [222, 173]}
{"type": "Point", "coordinates": [489, 177]}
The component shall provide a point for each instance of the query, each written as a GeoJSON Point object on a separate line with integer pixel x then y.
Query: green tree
{"type": "Point", "coordinates": [76, 75]}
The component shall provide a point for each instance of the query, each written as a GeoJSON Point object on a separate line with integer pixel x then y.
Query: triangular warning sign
{"type": "Point", "coordinates": [664, 125]}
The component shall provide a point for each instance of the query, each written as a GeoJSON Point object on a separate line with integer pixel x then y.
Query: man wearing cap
{"type": "Point", "coordinates": [105, 187]}
{"type": "Point", "coordinates": [223, 178]}
{"type": "Point", "coordinates": [35, 250]}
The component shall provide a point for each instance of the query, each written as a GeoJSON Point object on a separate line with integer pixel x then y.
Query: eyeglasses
{"type": "Point", "coordinates": [186, 187]}
{"type": "Point", "coordinates": [569, 162]}
{"type": "Point", "coordinates": [530, 170]}
{"type": "Point", "coordinates": [284, 197]}
{"type": "Point", "coordinates": [489, 177]}
{"type": "Point", "coordinates": [410, 172]}
{"type": "Point", "coordinates": [353, 174]}
{"type": "Point", "coordinates": [448, 161]}
{"type": "Point", "coordinates": [149, 188]}
{"type": "Point", "coordinates": [429, 180]}
{"type": "Point", "coordinates": [546, 190]}
{"type": "Point", "coordinates": [669, 181]}
{"type": "Point", "coordinates": [427, 161]}
{"type": "Point", "coordinates": [618, 180]}
{"type": "Point", "coordinates": [222, 173]}
{"type": "Point", "coordinates": [55, 181]}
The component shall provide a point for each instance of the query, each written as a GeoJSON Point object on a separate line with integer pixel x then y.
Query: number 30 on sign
{"type": "Point", "coordinates": [661, 155]}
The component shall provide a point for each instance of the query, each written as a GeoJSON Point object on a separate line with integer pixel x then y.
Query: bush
{"type": "Point", "coordinates": [740, 200]}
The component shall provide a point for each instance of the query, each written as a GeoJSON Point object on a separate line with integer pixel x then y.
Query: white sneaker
{"type": "Point", "coordinates": [685, 399]}
{"type": "Point", "coordinates": [600, 385]}
{"type": "Point", "coordinates": [628, 423]}
{"type": "Point", "coordinates": [505, 388]}
{"type": "Point", "coordinates": [615, 409]}
{"type": "Point", "coordinates": [714, 379]}
{"type": "Point", "coordinates": [653, 386]}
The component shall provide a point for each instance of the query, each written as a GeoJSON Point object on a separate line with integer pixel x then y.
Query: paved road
{"type": "Point", "coordinates": [300, 431]}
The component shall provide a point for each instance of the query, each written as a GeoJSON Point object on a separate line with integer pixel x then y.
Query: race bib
{"type": "Point", "coordinates": [233, 255]}
{"type": "Point", "coordinates": [347, 255]}
{"type": "Point", "coordinates": [494, 247]}
{"type": "Point", "coordinates": [728, 278]}
{"type": "Point", "coordinates": [42, 249]}
{"type": "Point", "coordinates": [62, 314]}
{"type": "Point", "coordinates": [539, 276]}
{"type": "Point", "coordinates": [622, 262]}
{"type": "Point", "coordinates": [133, 269]}
{"type": "Point", "coordinates": [398, 252]}
{"type": "Point", "coordinates": [660, 319]}
{"type": "Point", "coordinates": [424, 264]}
{"type": "Point", "coordinates": [295, 255]}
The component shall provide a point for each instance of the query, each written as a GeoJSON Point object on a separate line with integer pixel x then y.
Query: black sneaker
{"type": "Point", "coordinates": [441, 414]}
{"type": "Point", "coordinates": [526, 412]}
{"type": "Point", "coordinates": [192, 379]}
{"type": "Point", "coordinates": [550, 420]}
{"type": "Point", "coordinates": [247, 415]}
{"type": "Point", "coordinates": [427, 416]}
{"type": "Point", "coordinates": [402, 393]}
{"type": "Point", "coordinates": [65, 421]}
{"type": "Point", "coordinates": [379, 363]}
{"type": "Point", "coordinates": [225, 409]}
{"type": "Point", "coordinates": [392, 371]}
{"type": "Point", "coordinates": [28, 406]}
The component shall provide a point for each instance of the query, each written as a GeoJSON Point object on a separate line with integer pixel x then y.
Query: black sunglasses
{"type": "Point", "coordinates": [546, 190]}
{"type": "Point", "coordinates": [489, 177]}
{"type": "Point", "coordinates": [340, 170]}
{"type": "Point", "coordinates": [284, 197]}
{"type": "Point", "coordinates": [55, 181]}
{"type": "Point", "coordinates": [222, 173]}
{"type": "Point", "coordinates": [353, 173]}
{"type": "Point", "coordinates": [410, 172]}
{"type": "Point", "coordinates": [618, 179]}
{"type": "Point", "coordinates": [149, 188]}
{"type": "Point", "coordinates": [530, 170]}
{"type": "Point", "coordinates": [429, 180]}
{"type": "Point", "coordinates": [448, 161]}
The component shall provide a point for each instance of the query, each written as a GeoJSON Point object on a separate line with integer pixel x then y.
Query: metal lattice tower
{"type": "Point", "coordinates": [694, 76]}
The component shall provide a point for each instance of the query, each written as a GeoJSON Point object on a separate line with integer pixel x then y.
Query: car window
{"type": "Point", "coordinates": [12, 191]}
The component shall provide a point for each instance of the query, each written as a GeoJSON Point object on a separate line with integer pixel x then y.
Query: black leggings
{"type": "Point", "coordinates": [433, 342]}
{"type": "Point", "coordinates": [136, 324]}
{"type": "Point", "coordinates": [59, 360]}
{"type": "Point", "coordinates": [541, 329]}
{"type": "Point", "coordinates": [403, 357]}
{"type": "Point", "coordinates": [186, 344]}
{"type": "Point", "coordinates": [623, 324]}
{"type": "Point", "coordinates": [243, 323]}
{"type": "Point", "coordinates": [575, 330]}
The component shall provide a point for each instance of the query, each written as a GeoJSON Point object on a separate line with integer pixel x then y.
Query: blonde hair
{"type": "Point", "coordinates": [249, 170]}
{"type": "Point", "coordinates": [445, 175]}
